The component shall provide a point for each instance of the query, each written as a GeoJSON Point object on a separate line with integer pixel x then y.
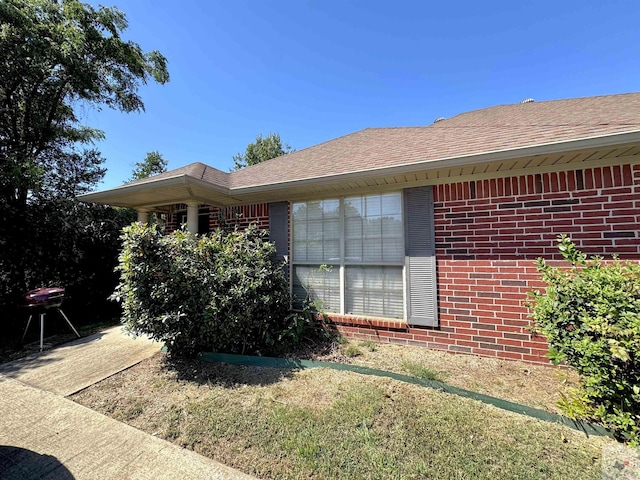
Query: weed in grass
{"type": "Point", "coordinates": [172, 423]}
{"type": "Point", "coordinates": [350, 350]}
{"type": "Point", "coordinates": [133, 410]}
{"type": "Point", "coordinates": [158, 384]}
{"type": "Point", "coordinates": [420, 371]}
{"type": "Point", "coordinates": [370, 345]}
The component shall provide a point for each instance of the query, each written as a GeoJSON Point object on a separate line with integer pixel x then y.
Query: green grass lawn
{"type": "Point", "coordinates": [325, 424]}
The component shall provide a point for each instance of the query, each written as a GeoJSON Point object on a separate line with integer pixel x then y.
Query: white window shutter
{"type": "Point", "coordinates": [420, 260]}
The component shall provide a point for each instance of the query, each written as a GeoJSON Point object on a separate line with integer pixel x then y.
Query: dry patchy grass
{"type": "Point", "coordinates": [537, 386]}
{"type": "Point", "coordinates": [325, 424]}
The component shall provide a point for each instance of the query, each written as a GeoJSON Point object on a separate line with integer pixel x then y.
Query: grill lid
{"type": "Point", "coordinates": [44, 297]}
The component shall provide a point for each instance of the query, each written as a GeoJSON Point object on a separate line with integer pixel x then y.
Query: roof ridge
{"type": "Point", "coordinates": [541, 102]}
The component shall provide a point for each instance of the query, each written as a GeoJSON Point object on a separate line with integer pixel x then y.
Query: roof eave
{"type": "Point", "coordinates": [457, 161]}
{"type": "Point", "coordinates": [221, 194]}
{"type": "Point", "coordinates": [115, 196]}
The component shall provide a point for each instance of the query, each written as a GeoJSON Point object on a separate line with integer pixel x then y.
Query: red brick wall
{"type": "Point", "coordinates": [520, 217]}
{"type": "Point", "coordinates": [489, 232]}
{"type": "Point", "coordinates": [241, 217]}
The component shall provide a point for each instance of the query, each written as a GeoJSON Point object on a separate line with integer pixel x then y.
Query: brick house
{"type": "Point", "coordinates": [430, 233]}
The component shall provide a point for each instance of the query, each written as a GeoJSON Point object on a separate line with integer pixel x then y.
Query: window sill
{"type": "Point", "coordinates": [359, 320]}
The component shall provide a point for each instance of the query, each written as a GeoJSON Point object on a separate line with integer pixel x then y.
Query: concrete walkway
{"type": "Point", "coordinates": [44, 435]}
{"type": "Point", "coordinates": [69, 368]}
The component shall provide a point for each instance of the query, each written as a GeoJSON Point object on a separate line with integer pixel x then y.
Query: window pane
{"type": "Point", "coordinates": [392, 249]}
{"type": "Point", "coordinates": [353, 250]}
{"type": "Point", "coordinates": [314, 251]}
{"type": "Point", "coordinates": [331, 251]}
{"type": "Point", "coordinates": [353, 227]}
{"type": "Point", "coordinates": [353, 207]}
{"type": "Point", "coordinates": [331, 208]}
{"type": "Point", "coordinates": [392, 225]}
{"type": "Point", "coordinates": [391, 204]}
{"type": "Point", "coordinates": [301, 230]}
{"type": "Point", "coordinates": [372, 227]}
{"type": "Point", "coordinates": [299, 212]}
{"type": "Point", "coordinates": [314, 210]}
{"type": "Point", "coordinates": [331, 229]}
{"type": "Point", "coordinates": [300, 251]}
{"type": "Point", "coordinates": [372, 249]}
{"type": "Point", "coordinates": [318, 285]}
{"type": "Point", "coordinates": [374, 291]}
{"type": "Point", "coordinates": [372, 204]}
{"type": "Point", "coordinates": [374, 230]}
{"type": "Point", "coordinates": [316, 231]}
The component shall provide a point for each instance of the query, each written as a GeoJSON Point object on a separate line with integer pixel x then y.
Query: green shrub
{"type": "Point", "coordinates": [221, 292]}
{"type": "Point", "coordinates": [590, 314]}
{"type": "Point", "coordinates": [58, 241]}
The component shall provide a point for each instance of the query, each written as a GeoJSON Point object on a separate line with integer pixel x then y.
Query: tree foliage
{"type": "Point", "coordinates": [58, 58]}
{"type": "Point", "coordinates": [54, 57]}
{"type": "Point", "coordinates": [263, 149]}
{"type": "Point", "coordinates": [153, 164]}
{"type": "Point", "coordinates": [590, 314]}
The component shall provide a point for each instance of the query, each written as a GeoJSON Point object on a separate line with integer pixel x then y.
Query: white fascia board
{"type": "Point", "coordinates": [112, 194]}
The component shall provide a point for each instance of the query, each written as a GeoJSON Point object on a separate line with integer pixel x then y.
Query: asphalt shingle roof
{"type": "Point", "coordinates": [197, 170]}
{"type": "Point", "coordinates": [487, 130]}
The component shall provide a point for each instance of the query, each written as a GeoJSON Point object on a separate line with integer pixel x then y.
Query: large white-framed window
{"type": "Point", "coordinates": [348, 254]}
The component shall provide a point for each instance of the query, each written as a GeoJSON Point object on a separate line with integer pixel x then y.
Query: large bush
{"type": "Point", "coordinates": [59, 241]}
{"type": "Point", "coordinates": [590, 314]}
{"type": "Point", "coordinates": [220, 292]}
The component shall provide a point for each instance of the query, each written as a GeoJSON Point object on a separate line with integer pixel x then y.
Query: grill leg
{"type": "Point", "coordinates": [41, 330]}
{"type": "Point", "coordinates": [26, 328]}
{"type": "Point", "coordinates": [70, 324]}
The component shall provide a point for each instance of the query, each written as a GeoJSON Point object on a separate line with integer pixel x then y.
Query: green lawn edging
{"type": "Point", "coordinates": [287, 363]}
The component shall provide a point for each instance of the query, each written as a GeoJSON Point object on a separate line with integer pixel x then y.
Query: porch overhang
{"type": "Point", "coordinates": [156, 195]}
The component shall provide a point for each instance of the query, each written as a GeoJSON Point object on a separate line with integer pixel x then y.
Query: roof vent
{"type": "Point", "coordinates": [439, 119]}
{"type": "Point", "coordinates": [528, 100]}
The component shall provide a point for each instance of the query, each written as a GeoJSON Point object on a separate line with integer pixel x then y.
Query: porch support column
{"type": "Point", "coordinates": [192, 217]}
{"type": "Point", "coordinates": [143, 215]}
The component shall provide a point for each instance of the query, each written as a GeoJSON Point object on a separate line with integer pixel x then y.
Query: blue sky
{"type": "Point", "coordinates": [315, 70]}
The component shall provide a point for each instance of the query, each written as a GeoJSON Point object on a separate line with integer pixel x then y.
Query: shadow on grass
{"type": "Point", "coordinates": [223, 374]}
{"type": "Point", "coordinates": [320, 340]}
